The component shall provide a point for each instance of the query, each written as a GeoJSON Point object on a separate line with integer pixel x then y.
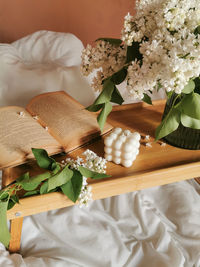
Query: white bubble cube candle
{"type": "Point", "coordinates": [122, 147]}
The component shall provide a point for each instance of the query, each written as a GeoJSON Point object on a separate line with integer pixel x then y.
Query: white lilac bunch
{"type": "Point", "coordinates": [92, 162]}
{"type": "Point", "coordinates": [159, 48]}
{"type": "Point", "coordinates": [85, 196]}
{"type": "Point", "coordinates": [105, 57]}
{"type": "Point", "coordinates": [169, 45]}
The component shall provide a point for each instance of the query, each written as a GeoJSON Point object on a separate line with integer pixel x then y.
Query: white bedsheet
{"type": "Point", "coordinates": [155, 227]}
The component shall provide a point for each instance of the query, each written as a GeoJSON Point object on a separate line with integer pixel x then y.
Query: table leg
{"type": "Point", "coordinates": [15, 231]}
{"type": "Point", "coordinates": [6, 176]}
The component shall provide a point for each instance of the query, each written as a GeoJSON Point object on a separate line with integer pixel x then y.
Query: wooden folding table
{"type": "Point", "coordinates": [156, 165]}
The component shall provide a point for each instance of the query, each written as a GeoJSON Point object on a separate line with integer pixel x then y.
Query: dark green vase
{"type": "Point", "coordinates": [183, 137]}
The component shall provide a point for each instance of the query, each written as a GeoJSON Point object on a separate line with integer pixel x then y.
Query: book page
{"type": "Point", "coordinates": [66, 119]}
{"type": "Point", "coordinates": [19, 132]}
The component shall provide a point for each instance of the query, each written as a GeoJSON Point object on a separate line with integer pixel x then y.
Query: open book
{"type": "Point", "coordinates": [52, 121]}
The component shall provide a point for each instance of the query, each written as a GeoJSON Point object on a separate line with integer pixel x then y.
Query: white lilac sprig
{"type": "Point", "coordinates": [70, 179]}
{"type": "Point", "coordinates": [92, 162]}
{"type": "Point", "coordinates": [105, 58]}
{"type": "Point", "coordinates": [85, 196]}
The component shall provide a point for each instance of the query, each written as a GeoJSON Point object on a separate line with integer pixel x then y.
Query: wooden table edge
{"type": "Point", "coordinates": [106, 188]}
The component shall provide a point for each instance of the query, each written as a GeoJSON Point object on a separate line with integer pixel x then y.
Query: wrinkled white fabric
{"type": "Point", "coordinates": [156, 227]}
{"type": "Point", "coordinates": [42, 62]}
{"type": "Point", "coordinates": [153, 227]}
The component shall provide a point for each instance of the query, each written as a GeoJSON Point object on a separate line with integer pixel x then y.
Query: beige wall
{"type": "Point", "coordinates": [87, 19]}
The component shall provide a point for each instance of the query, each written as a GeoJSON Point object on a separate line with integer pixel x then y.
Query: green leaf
{"type": "Point", "coordinates": [147, 99]}
{"type": "Point", "coordinates": [197, 30]}
{"type": "Point", "coordinates": [104, 97]}
{"type": "Point", "coordinates": [112, 41]}
{"type": "Point", "coordinates": [12, 201]}
{"type": "Point", "coordinates": [33, 182]}
{"type": "Point", "coordinates": [11, 204]}
{"type": "Point", "coordinates": [189, 87]}
{"type": "Point", "coordinates": [190, 122]}
{"type": "Point", "coordinates": [4, 195]}
{"type": "Point", "coordinates": [29, 186]}
{"type": "Point", "coordinates": [42, 158]}
{"type": "Point", "coordinates": [31, 193]}
{"type": "Point", "coordinates": [59, 179]}
{"type": "Point", "coordinates": [91, 174]}
{"type": "Point", "coordinates": [40, 177]}
{"type": "Point", "coordinates": [23, 178]}
{"type": "Point", "coordinates": [119, 76]}
{"type": "Point", "coordinates": [107, 108]}
{"type": "Point", "coordinates": [44, 188]}
{"type": "Point", "coordinates": [169, 124]}
{"type": "Point", "coordinates": [55, 167]}
{"type": "Point", "coordinates": [133, 52]}
{"type": "Point", "coordinates": [94, 108]}
{"type": "Point", "coordinates": [190, 105]}
{"type": "Point", "coordinates": [4, 232]}
{"type": "Point", "coordinates": [72, 188]}
{"type": "Point", "coordinates": [116, 97]}
{"type": "Point", "coordinates": [106, 93]}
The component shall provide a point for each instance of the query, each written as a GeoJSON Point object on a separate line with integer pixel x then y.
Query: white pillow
{"type": "Point", "coordinates": [42, 62]}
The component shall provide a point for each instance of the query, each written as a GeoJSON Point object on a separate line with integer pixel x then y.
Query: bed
{"type": "Point", "coordinates": [152, 227]}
